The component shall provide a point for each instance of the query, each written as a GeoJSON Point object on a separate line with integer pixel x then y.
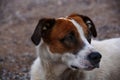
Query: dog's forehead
{"type": "Point", "coordinates": [64, 25]}
{"type": "Point", "coordinates": [62, 28]}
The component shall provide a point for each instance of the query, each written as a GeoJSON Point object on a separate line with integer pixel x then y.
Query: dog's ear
{"type": "Point", "coordinates": [90, 25]}
{"type": "Point", "coordinates": [43, 26]}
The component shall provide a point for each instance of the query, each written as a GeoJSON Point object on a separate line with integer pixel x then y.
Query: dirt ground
{"type": "Point", "coordinates": [18, 19]}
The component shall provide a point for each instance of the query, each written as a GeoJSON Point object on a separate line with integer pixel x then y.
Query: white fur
{"type": "Point", "coordinates": [37, 71]}
{"type": "Point", "coordinates": [110, 50]}
{"type": "Point", "coordinates": [50, 66]}
{"type": "Point", "coordinates": [81, 60]}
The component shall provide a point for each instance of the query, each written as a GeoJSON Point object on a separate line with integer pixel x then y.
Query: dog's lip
{"type": "Point", "coordinates": [91, 67]}
{"type": "Point", "coordinates": [74, 67]}
{"type": "Point", "coordinates": [86, 67]}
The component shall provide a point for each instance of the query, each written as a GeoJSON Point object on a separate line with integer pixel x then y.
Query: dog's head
{"type": "Point", "coordinates": [68, 40]}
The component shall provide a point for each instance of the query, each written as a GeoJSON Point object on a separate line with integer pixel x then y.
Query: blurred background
{"type": "Point", "coordinates": [18, 19]}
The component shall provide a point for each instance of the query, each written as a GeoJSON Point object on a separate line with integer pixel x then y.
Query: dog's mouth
{"type": "Point", "coordinates": [91, 67]}
{"type": "Point", "coordinates": [87, 67]}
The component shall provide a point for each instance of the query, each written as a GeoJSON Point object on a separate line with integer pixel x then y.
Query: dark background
{"type": "Point", "coordinates": [18, 18]}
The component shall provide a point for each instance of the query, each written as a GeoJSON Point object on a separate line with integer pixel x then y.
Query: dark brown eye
{"type": "Point", "coordinates": [69, 40]}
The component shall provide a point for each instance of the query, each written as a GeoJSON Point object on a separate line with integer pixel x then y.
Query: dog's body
{"type": "Point", "coordinates": [65, 51]}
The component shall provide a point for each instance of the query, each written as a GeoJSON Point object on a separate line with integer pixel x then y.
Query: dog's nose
{"type": "Point", "coordinates": [94, 57]}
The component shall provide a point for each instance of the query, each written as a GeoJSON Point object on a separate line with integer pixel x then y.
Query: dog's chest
{"type": "Point", "coordinates": [67, 75]}
{"type": "Point", "coordinates": [72, 75]}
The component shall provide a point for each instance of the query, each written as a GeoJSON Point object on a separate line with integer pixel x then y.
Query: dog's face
{"type": "Point", "coordinates": [69, 38]}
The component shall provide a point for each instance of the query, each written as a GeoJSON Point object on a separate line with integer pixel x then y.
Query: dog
{"type": "Point", "coordinates": [66, 51]}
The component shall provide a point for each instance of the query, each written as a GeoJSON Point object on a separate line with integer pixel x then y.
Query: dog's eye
{"type": "Point", "coordinates": [69, 37]}
{"type": "Point", "coordinates": [69, 40]}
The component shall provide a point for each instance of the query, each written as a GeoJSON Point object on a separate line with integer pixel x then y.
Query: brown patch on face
{"type": "Point", "coordinates": [63, 37]}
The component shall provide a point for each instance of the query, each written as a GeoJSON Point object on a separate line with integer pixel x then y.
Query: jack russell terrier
{"type": "Point", "coordinates": [65, 51]}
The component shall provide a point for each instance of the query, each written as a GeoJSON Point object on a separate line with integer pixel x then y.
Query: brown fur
{"type": "Point", "coordinates": [61, 29]}
{"type": "Point", "coordinates": [53, 33]}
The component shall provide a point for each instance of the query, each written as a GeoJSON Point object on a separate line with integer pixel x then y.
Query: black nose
{"type": "Point", "coordinates": [94, 57]}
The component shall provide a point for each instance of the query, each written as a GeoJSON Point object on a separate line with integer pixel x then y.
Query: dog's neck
{"type": "Point", "coordinates": [57, 70]}
{"type": "Point", "coordinates": [52, 70]}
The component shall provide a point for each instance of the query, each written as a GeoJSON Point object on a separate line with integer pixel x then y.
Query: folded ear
{"type": "Point", "coordinates": [43, 26]}
{"type": "Point", "coordinates": [90, 25]}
